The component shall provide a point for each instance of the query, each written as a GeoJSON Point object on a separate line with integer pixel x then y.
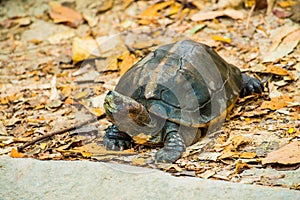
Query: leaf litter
{"type": "Point", "coordinates": [52, 84]}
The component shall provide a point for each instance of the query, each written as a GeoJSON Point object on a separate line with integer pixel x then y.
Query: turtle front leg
{"type": "Point", "coordinates": [174, 145]}
{"type": "Point", "coordinates": [116, 140]}
{"type": "Point", "coordinates": [251, 85]}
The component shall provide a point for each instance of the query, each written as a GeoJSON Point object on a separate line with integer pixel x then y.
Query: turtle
{"type": "Point", "coordinates": [173, 97]}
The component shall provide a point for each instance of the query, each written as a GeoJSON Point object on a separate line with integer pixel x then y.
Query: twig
{"type": "Point", "coordinates": [249, 16]}
{"type": "Point", "coordinates": [20, 149]}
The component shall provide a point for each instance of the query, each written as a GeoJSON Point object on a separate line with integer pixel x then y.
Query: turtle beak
{"type": "Point", "coordinates": [114, 102]}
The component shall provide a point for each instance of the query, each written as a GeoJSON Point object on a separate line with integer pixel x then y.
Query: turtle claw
{"type": "Point", "coordinates": [166, 155]}
{"type": "Point", "coordinates": [116, 140]}
{"type": "Point", "coordinates": [173, 146]}
{"type": "Point", "coordinates": [251, 85]}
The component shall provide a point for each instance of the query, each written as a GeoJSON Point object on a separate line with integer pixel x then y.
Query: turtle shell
{"type": "Point", "coordinates": [184, 82]}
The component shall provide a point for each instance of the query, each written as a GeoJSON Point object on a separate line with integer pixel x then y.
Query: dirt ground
{"type": "Point", "coordinates": [58, 59]}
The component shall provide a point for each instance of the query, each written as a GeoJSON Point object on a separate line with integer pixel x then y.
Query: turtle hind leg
{"type": "Point", "coordinates": [251, 85]}
{"type": "Point", "coordinates": [174, 145]}
{"type": "Point", "coordinates": [116, 140]}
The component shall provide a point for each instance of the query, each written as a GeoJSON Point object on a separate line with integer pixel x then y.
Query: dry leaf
{"type": "Point", "coordinates": [201, 16]}
{"type": "Point", "coordinates": [127, 62]}
{"type": "Point", "coordinates": [209, 156]}
{"type": "Point", "coordinates": [112, 64]}
{"type": "Point", "coordinates": [4, 100]}
{"type": "Point", "coordinates": [112, 45]}
{"type": "Point", "coordinates": [64, 14]}
{"type": "Point", "coordinates": [79, 150]}
{"type": "Point", "coordinates": [81, 95]}
{"type": "Point", "coordinates": [174, 8]}
{"type": "Point", "coordinates": [240, 167]}
{"type": "Point", "coordinates": [15, 154]}
{"type": "Point", "coordinates": [12, 121]}
{"type": "Point", "coordinates": [141, 138]}
{"type": "Point", "coordinates": [70, 101]}
{"type": "Point", "coordinates": [170, 167]}
{"type": "Point", "coordinates": [289, 154]}
{"type": "Point", "coordinates": [3, 130]}
{"type": "Point", "coordinates": [281, 13]}
{"type": "Point", "coordinates": [228, 154]}
{"type": "Point", "coordinates": [220, 38]}
{"type": "Point", "coordinates": [83, 48]}
{"type": "Point", "coordinates": [285, 47]}
{"type": "Point", "coordinates": [98, 111]}
{"type": "Point", "coordinates": [280, 33]}
{"type": "Point", "coordinates": [83, 150]}
{"type": "Point", "coordinates": [238, 140]}
{"type": "Point", "coordinates": [247, 155]}
{"type": "Point", "coordinates": [54, 104]}
{"type": "Point", "coordinates": [276, 70]}
{"type": "Point", "coordinates": [230, 150]}
{"type": "Point", "coordinates": [207, 174]}
{"type": "Point", "coordinates": [152, 11]}
{"type": "Point", "coordinates": [285, 4]}
{"type": "Point", "coordinates": [277, 103]}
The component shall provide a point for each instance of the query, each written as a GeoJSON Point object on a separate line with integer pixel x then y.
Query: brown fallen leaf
{"type": "Point", "coordinates": [276, 70]}
{"type": "Point", "coordinates": [285, 4]}
{"type": "Point", "coordinates": [287, 155]}
{"type": "Point", "coordinates": [240, 167]}
{"type": "Point", "coordinates": [141, 138]}
{"type": "Point", "coordinates": [280, 13]}
{"type": "Point", "coordinates": [15, 154]}
{"type": "Point", "coordinates": [83, 48]}
{"type": "Point", "coordinates": [174, 8]}
{"type": "Point", "coordinates": [81, 95]}
{"type": "Point", "coordinates": [151, 14]}
{"type": "Point", "coordinates": [127, 62]}
{"type": "Point", "coordinates": [280, 33]}
{"type": "Point", "coordinates": [238, 140]}
{"type": "Point", "coordinates": [201, 16]}
{"type": "Point", "coordinates": [277, 103]}
{"type": "Point", "coordinates": [170, 167]}
{"type": "Point", "coordinates": [228, 154]}
{"type": "Point", "coordinates": [105, 5]}
{"type": "Point", "coordinates": [152, 11]}
{"type": "Point", "coordinates": [64, 14]}
{"type": "Point", "coordinates": [247, 155]}
{"type": "Point", "coordinates": [285, 47]}
{"type": "Point", "coordinates": [98, 112]}
{"type": "Point", "coordinates": [231, 146]}
{"type": "Point", "coordinates": [207, 174]}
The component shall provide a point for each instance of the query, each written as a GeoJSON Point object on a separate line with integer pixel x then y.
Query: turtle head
{"type": "Point", "coordinates": [125, 111]}
{"type": "Point", "coordinates": [132, 118]}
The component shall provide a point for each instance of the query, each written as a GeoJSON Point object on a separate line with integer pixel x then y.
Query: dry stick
{"type": "Point", "coordinates": [58, 132]}
{"type": "Point", "coordinates": [249, 16]}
